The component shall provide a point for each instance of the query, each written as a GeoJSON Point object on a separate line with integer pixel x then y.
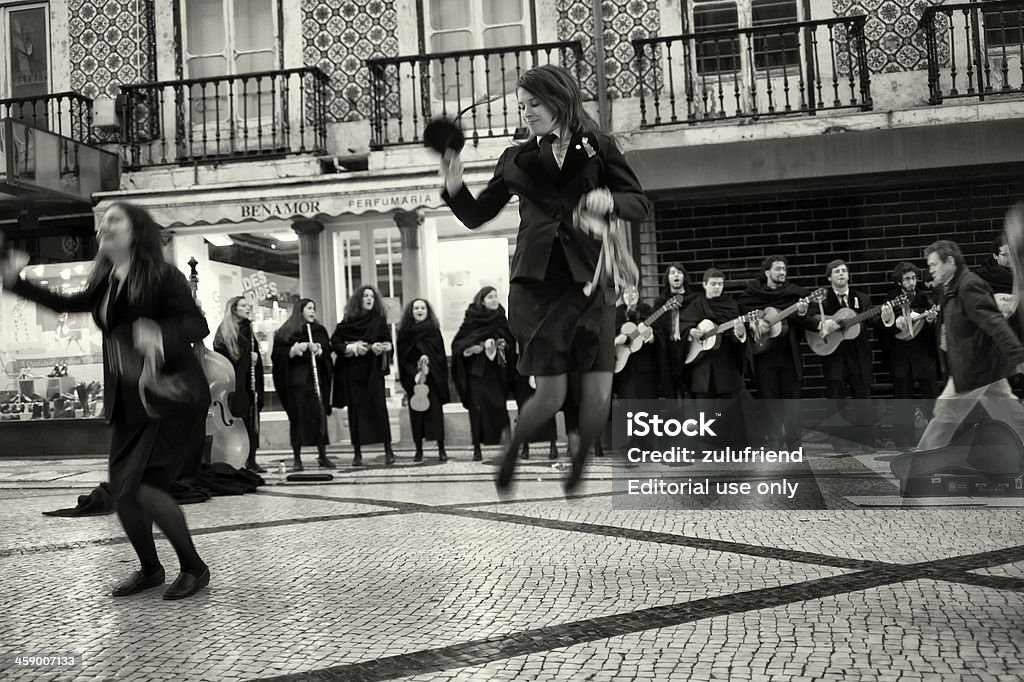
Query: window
{"type": "Point", "coordinates": [458, 25]}
{"type": "Point", "coordinates": [1003, 29]}
{"type": "Point", "coordinates": [723, 54]}
{"type": "Point", "coordinates": [226, 38]}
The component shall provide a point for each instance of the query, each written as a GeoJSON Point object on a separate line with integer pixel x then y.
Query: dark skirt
{"type": "Point", "coordinates": [488, 416]}
{"type": "Point", "coordinates": [304, 415]}
{"type": "Point", "coordinates": [560, 330]}
{"type": "Point", "coordinates": [428, 425]}
{"type": "Point", "coordinates": [153, 452]}
{"type": "Point", "coordinates": [368, 421]}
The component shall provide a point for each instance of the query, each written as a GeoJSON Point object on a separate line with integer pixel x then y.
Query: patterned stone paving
{"type": "Point", "coordinates": [423, 573]}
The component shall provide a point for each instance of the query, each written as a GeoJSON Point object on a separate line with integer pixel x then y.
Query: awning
{"type": "Point", "coordinates": [319, 198]}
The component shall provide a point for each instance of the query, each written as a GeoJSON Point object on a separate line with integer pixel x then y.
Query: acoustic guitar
{"type": "Point", "coordinates": [711, 336]}
{"type": "Point", "coordinates": [635, 338]}
{"type": "Point", "coordinates": [776, 318]}
{"type": "Point", "coordinates": [917, 323]}
{"type": "Point", "coordinates": [420, 400]}
{"type": "Point", "coordinates": [849, 327]}
{"type": "Point", "coordinates": [1007, 303]}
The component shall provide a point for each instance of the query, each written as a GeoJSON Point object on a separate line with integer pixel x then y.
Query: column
{"type": "Point", "coordinates": [413, 272]}
{"type": "Point", "coordinates": [309, 259]}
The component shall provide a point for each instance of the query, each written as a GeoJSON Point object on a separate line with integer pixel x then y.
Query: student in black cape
{"type": "Point", "coordinates": [234, 340]}
{"type": "Point", "coordinates": [483, 358]}
{"type": "Point", "coordinates": [144, 307]}
{"type": "Point", "coordinates": [716, 373]}
{"type": "Point", "coordinates": [568, 173]}
{"type": "Point", "coordinates": [293, 358]}
{"type": "Point", "coordinates": [676, 380]}
{"type": "Point", "coordinates": [420, 341]}
{"type": "Point", "coordinates": [642, 376]}
{"type": "Point", "coordinates": [362, 344]}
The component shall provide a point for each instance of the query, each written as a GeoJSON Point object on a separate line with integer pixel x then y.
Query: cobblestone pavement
{"type": "Point", "coordinates": [422, 572]}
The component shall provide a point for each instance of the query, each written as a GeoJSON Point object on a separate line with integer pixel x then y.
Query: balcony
{"type": "Point", "coordinates": [791, 68]}
{"type": "Point", "coordinates": [267, 114]}
{"type": "Point", "coordinates": [974, 50]}
{"type": "Point", "coordinates": [477, 85]}
{"type": "Point", "coordinates": [67, 114]}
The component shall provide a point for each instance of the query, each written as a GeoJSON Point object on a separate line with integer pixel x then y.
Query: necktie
{"type": "Point", "coordinates": [842, 301]}
{"type": "Point", "coordinates": [547, 155]}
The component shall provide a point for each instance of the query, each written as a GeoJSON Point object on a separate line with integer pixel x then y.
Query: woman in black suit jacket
{"type": "Point", "coordinates": [560, 325]}
{"type": "Point", "coordinates": [144, 307]}
{"type": "Point", "coordinates": [235, 341]}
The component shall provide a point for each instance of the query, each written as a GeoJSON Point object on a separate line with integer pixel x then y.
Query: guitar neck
{"type": "Point", "coordinates": [782, 314]}
{"type": "Point", "coordinates": [866, 315]}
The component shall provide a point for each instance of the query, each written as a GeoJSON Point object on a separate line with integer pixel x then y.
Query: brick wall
{"type": "Point", "coordinates": [873, 228]}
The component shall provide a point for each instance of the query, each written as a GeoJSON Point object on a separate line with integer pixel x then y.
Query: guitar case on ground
{"type": "Point", "coordinates": [985, 460]}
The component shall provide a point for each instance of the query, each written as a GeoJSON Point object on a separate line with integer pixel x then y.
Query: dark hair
{"type": "Point", "coordinates": [666, 288]}
{"type": "Point", "coordinates": [294, 324]}
{"type": "Point", "coordinates": [478, 300]}
{"type": "Point", "coordinates": [903, 268]}
{"type": "Point", "coordinates": [945, 249]}
{"type": "Point", "coordinates": [769, 261]}
{"type": "Point", "coordinates": [712, 272]}
{"type": "Point", "coordinates": [354, 307]}
{"type": "Point", "coordinates": [997, 243]}
{"type": "Point", "coordinates": [560, 92]}
{"type": "Point", "coordinates": [148, 262]}
{"type": "Point", "coordinates": [406, 321]}
{"type": "Point", "coordinates": [833, 265]}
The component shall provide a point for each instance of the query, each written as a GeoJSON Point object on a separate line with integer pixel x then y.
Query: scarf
{"type": "Point", "coordinates": [757, 295]}
{"type": "Point", "coordinates": [422, 338]}
{"type": "Point", "coordinates": [479, 325]}
{"type": "Point", "coordinates": [998, 277]}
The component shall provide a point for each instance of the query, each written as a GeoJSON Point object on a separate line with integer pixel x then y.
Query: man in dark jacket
{"type": "Point", "coordinates": [981, 349]}
{"type": "Point", "coordinates": [778, 362]}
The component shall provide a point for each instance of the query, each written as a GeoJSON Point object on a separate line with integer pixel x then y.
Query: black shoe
{"type": "Point", "coordinates": [139, 581]}
{"type": "Point", "coordinates": [553, 452]}
{"type": "Point", "coordinates": [525, 454]}
{"type": "Point", "coordinates": [508, 467]}
{"type": "Point", "coordinates": [253, 466]}
{"type": "Point", "coordinates": [298, 465]}
{"type": "Point", "coordinates": [418, 457]}
{"type": "Point", "coordinates": [357, 461]}
{"type": "Point", "coordinates": [441, 454]}
{"type": "Point", "coordinates": [187, 584]}
{"type": "Point", "coordinates": [326, 463]}
{"type": "Point", "coordinates": [389, 457]}
{"type": "Point", "coordinates": [575, 475]}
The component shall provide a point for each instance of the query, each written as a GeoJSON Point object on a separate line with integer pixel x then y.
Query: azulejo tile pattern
{"type": "Point", "coordinates": [894, 42]}
{"type": "Point", "coordinates": [624, 21]}
{"type": "Point", "coordinates": [109, 43]}
{"type": "Point", "coordinates": [338, 36]}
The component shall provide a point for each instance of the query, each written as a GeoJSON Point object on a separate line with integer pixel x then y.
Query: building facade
{"type": "Point", "coordinates": [278, 143]}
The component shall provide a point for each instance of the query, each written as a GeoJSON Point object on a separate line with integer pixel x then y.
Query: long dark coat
{"type": "Point", "coordinates": [359, 380]}
{"type": "Point", "coordinates": [143, 448]}
{"type": "Point", "coordinates": [293, 381]}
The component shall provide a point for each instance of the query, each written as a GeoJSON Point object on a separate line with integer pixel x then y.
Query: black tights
{"type": "Point", "coordinates": [595, 398]}
{"type": "Point", "coordinates": [139, 510]}
{"type": "Point", "coordinates": [321, 450]}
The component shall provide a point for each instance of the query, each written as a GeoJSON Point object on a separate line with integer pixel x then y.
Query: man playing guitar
{"type": "Point", "coordinates": [778, 361]}
{"type": "Point", "coordinates": [717, 373]}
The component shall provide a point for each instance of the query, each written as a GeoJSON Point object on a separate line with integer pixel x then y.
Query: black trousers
{"type": "Point", "coordinates": [778, 384]}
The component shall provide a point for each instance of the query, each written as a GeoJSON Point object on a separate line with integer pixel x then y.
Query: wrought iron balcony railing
{"type": "Point", "coordinates": [67, 114]}
{"type": "Point", "coordinates": [224, 118]}
{"type": "Point", "coordinates": [787, 68]}
{"type": "Point", "coordinates": [974, 49]}
{"type": "Point", "coordinates": [409, 91]}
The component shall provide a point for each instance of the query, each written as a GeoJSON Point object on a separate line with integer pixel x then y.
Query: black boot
{"type": "Point", "coordinates": [441, 454]}
{"type": "Point", "coordinates": [324, 461]}
{"type": "Point", "coordinates": [357, 460]}
{"type": "Point", "coordinates": [525, 454]}
{"type": "Point", "coordinates": [251, 465]}
{"type": "Point", "coordinates": [298, 461]}
{"type": "Point", "coordinates": [553, 452]}
{"type": "Point", "coordinates": [418, 457]}
{"type": "Point", "coordinates": [389, 455]}
{"type": "Point", "coordinates": [478, 456]}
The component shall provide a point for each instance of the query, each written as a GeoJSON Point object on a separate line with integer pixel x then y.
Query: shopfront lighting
{"type": "Point", "coordinates": [285, 236]}
{"type": "Point", "coordinates": [219, 239]}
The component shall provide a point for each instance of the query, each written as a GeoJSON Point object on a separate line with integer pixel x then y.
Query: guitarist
{"type": "Point", "coordinates": [912, 360]}
{"type": "Point", "coordinates": [996, 272]}
{"type": "Point", "coordinates": [641, 377]}
{"type": "Point", "coordinates": [850, 364]}
{"type": "Point", "coordinates": [778, 371]}
{"type": "Point", "coordinates": [718, 373]}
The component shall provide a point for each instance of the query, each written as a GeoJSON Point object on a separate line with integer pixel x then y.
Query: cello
{"type": "Point", "coordinates": [230, 440]}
